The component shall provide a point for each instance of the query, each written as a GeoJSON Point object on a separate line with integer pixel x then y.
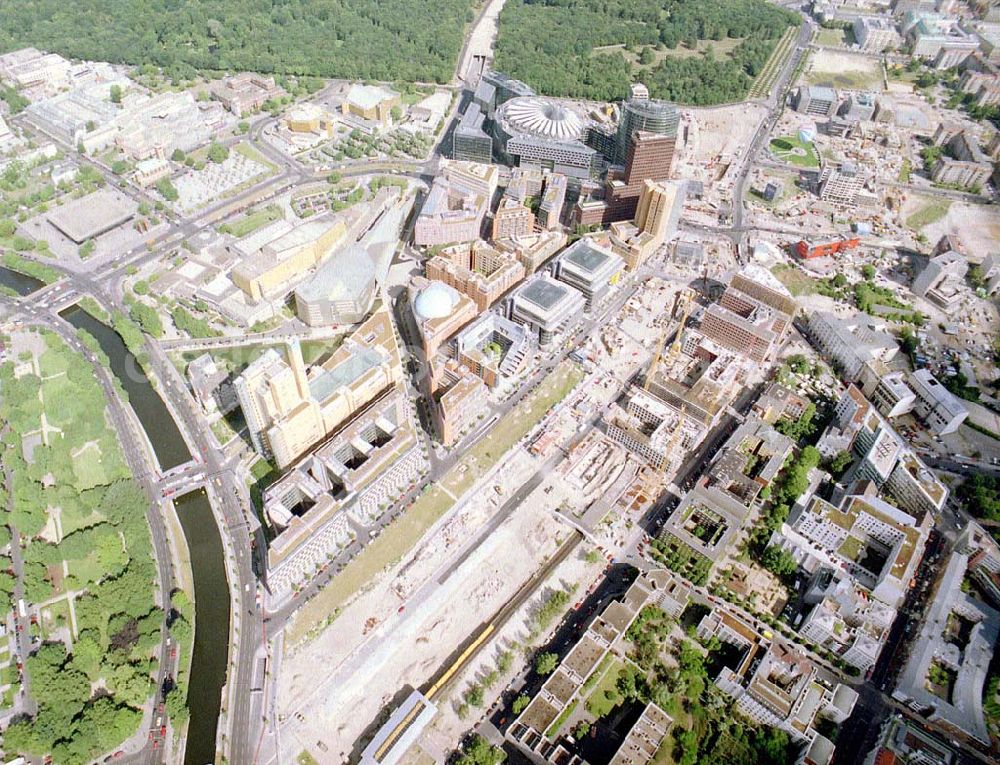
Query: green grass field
{"type": "Point", "coordinates": [796, 152]}
{"type": "Point", "coordinates": [797, 282]}
{"type": "Point", "coordinates": [605, 696]}
{"type": "Point", "coordinates": [253, 221]}
{"type": "Point", "coordinates": [930, 213]}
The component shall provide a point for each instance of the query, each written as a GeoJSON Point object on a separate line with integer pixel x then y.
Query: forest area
{"type": "Point", "coordinates": [358, 39]}
{"type": "Point", "coordinates": [550, 44]}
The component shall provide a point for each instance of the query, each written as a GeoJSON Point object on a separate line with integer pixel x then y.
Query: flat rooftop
{"type": "Point", "coordinates": [92, 215]}
{"type": "Point", "coordinates": [543, 293]}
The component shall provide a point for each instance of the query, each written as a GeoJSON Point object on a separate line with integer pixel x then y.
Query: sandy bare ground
{"type": "Point", "coordinates": [843, 70]}
{"type": "Point", "coordinates": [515, 636]}
{"type": "Point", "coordinates": [341, 681]}
{"type": "Point", "coordinates": [977, 225]}
{"type": "Point", "coordinates": [723, 132]}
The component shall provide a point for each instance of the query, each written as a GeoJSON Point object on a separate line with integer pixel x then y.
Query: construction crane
{"type": "Point", "coordinates": [682, 305]}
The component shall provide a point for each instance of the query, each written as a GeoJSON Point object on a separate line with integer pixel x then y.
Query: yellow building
{"type": "Point", "coordinates": [289, 256]}
{"type": "Point", "coordinates": [289, 409]}
{"type": "Point", "coordinates": [309, 118]}
{"type": "Point", "coordinates": [370, 102]}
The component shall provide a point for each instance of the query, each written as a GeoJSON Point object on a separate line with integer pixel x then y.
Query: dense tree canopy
{"type": "Point", "coordinates": [550, 44]}
{"type": "Point", "coordinates": [376, 39]}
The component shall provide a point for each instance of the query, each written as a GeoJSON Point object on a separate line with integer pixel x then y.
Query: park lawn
{"type": "Point", "coordinates": [53, 617]}
{"type": "Point", "coordinates": [89, 570]}
{"type": "Point", "coordinates": [797, 282]}
{"type": "Point", "coordinates": [402, 535]}
{"type": "Point", "coordinates": [831, 37]}
{"type": "Point", "coordinates": [253, 221]}
{"type": "Point", "coordinates": [53, 363]}
{"type": "Point", "coordinates": [795, 151]}
{"type": "Point", "coordinates": [88, 467]}
{"type": "Point", "coordinates": [930, 213]}
{"type": "Point", "coordinates": [598, 703]}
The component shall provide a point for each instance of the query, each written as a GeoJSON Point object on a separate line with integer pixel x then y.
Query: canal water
{"type": "Point", "coordinates": [168, 444]}
{"type": "Point", "coordinates": [211, 635]}
{"type": "Point", "coordinates": [22, 284]}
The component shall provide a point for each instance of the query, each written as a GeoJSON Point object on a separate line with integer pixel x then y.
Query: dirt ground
{"type": "Point", "coordinates": [977, 225]}
{"type": "Point", "coordinates": [843, 70]}
{"type": "Point", "coordinates": [435, 618]}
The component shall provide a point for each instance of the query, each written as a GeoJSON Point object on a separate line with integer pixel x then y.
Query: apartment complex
{"type": "Point", "coordinates": [289, 409]}
{"type": "Point", "coordinates": [753, 315]}
{"type": "Point", "coordinates": [348, 480]}
{"type": "Point", "coordinates": [477, 270]}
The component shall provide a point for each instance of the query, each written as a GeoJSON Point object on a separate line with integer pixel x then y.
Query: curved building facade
{"type": "Point", "coordinates": [542, 133]}
{"type": "Point", "coordinates": [647, 115]}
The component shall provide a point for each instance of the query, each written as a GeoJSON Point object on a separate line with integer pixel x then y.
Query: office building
{"type": "Point", "coordinates": [841, 185]}
{"type": "Point", "coordinates": [851, 343]}
{"type": "Point", "coordinates": [544, 134]}
{"type": "Point", "coordinates": [439, 311]}
{"type": "Point", "coordinates": [942, 280]}
{"type": "Point", "coordinates": [511, 219]}
{"type": "Point", "coordinates": [657, 214]}
{"type": "Point", "coordinates": [495, 348]}
{"type": "Point", "coordinates": [860, 106]}
{"type": "Point", "coordinates": [289, 256]}
{"type": "Point", "coordinates": [816, 100]}
{"type": "Point", "coordinates": [210, 384]}
{"type": "Point", "coordinates": [753, 315]}
{"type": "Point", "coordinates": [889, 392]}
{"type": "Point", "coordinates": [246, 92]}
{"type": "Point", "coordinates": [288, 410]}
{"type": "Point", "coordinates": [342, 291]}
{"type": "Point", "coordinates": [477, 270]}
{"type": "Point", "coordinates": [949, 662]}
{"type": "Point", "coordinates": [533, 250]}
{"type": "Point", "coordinates": [539, 729]}
{"type": "Point", "coordinates": [458, 400]}
{"type": "Point", "coordinates": [845, 619]}
{"type": "Point", "coordinates": [878, 545]}
{"type": "Point", "coordinates": [653, 430]}
{"type": "Point", "coordinates": [590, 268]}
{"type": "Point", "coordinates": [773, 684]}
{"type": "Point", "coordinates": [644, 115]}
{"type": "Point", "coordinates": [941, 410]}
{"type": "Point", "coordinates": [939, 39]}
{"type": "Point", "coordinates": [876, 34]}
{"type": "Point", "coordinates": [905, 741]}
{"type": "Point", "coordinates": [984, 559]}
{"type": "Point", "coordinates": [547, 307]}
{"type": "Point", "coordinates": [551, 205]}
{"type": "Point", "coordinates": [470, 141]}
{"type": "Point", "coordinates": [457, 204]}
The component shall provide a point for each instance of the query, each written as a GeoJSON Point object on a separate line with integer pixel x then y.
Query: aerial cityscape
{"type": "Point", "coordinates": [542, 382]}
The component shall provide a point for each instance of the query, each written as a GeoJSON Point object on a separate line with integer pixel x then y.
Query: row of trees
{"type": "Point", "coordinates": [373, 39]}
{"type": "Point", "coordinates": [551, 45]}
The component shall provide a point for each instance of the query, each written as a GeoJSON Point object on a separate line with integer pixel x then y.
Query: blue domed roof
{"type": "Point", "coordinates": [435, 301]}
